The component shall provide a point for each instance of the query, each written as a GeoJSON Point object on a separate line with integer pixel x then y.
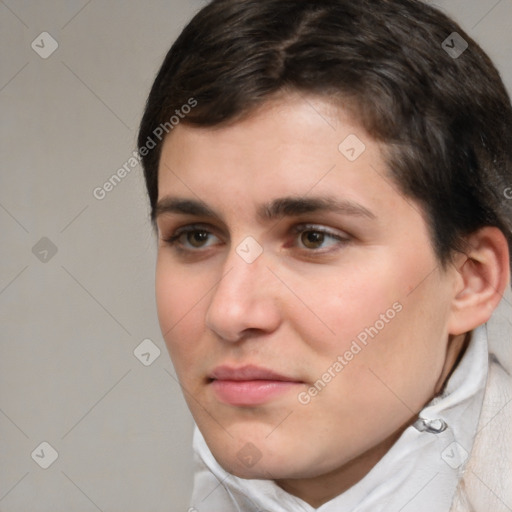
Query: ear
{"type": "Point", "coordinates": [482, 275]}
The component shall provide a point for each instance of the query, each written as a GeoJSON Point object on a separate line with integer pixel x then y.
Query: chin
{"type": "Point", "coordinates": [265, 469]}
{"type": "Point", "coordinates": [252, 457]}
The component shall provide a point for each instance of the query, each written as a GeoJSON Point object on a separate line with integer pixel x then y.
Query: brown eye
{"type": "Point", "coordinates": [318, 239]}
{"type": "Point", "coordinates": [197, 238]}
{"type": "Point", "coordinates": [191, 238]}
{"type": "Point", "coordinates": [312, 239]}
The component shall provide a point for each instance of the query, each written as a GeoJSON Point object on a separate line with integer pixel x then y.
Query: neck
{"type": "Point", "coordinates": [454, 352]}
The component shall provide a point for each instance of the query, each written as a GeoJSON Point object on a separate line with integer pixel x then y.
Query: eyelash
{"type": "Point", "coordinates": [297, 231]}
{"type": "Point", "coordinates": [313, 228]}
{"type": "Point", "coordinates": [173, 240]}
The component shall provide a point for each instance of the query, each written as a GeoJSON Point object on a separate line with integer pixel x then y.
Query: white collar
{"type": "Point", "coordinates": [419, 473]}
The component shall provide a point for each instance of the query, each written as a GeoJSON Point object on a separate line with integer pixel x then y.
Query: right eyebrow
{"type": "Point", "coordinates": [183, 206]}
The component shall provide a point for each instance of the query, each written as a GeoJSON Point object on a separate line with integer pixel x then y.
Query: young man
{"type": "Point", "coordinates": [328, 180]}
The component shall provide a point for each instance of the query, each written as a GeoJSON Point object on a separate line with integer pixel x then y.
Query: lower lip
{"type": "Point", "coordinates": [250, 392]}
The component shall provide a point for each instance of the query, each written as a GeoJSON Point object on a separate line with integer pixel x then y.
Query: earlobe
{"type": "Point", "coordinates": [483, 275]}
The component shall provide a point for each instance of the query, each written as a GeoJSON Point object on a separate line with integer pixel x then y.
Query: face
{"type": "Point", "coordinates": [298, 292]}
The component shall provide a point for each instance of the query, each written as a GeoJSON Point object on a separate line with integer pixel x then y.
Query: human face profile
{"type": "Point", "coordinates": [298, 292]}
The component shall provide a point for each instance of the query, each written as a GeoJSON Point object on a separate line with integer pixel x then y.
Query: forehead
{"type": "Point", "coordinates": [290, 137]}
{"type": "Point", "coordinates": [294, 146]}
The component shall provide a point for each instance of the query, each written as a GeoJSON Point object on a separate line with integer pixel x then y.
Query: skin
{"type": "Point", "coordinates": [300, 305]}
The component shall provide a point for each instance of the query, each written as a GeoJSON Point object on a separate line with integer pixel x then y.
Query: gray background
{"type": "Point", "coordinates": [70, 321]}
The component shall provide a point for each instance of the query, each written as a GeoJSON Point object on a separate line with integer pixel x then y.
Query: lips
{"type": "Point", "coordinates": [248, 372]}
{"type": "Point", "coordinates": [249, 385]}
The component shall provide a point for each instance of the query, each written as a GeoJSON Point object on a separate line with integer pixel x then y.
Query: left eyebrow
{"type": "Point", "coordinates": [295, 206]}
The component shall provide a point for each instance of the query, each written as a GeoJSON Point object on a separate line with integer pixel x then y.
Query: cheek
{"type": "Point", "coordinates": [379, 328]}
{"type": "Point", "coordinates": [180, 309]}
{"type": "Point", "coordinates": [347, 306]}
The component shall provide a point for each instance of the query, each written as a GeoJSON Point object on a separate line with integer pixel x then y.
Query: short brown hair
{"type": "Point", "coordinates": [446, 119]}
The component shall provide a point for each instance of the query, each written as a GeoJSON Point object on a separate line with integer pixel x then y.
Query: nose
{"type": "Point", "coordinates": [244, 302]}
